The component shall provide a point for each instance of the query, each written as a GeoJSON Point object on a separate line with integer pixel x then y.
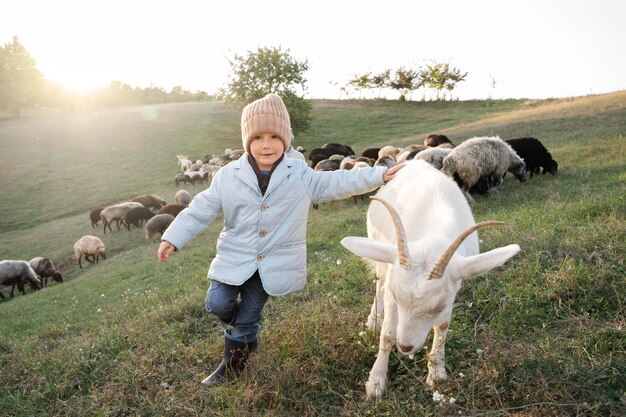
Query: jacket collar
{"type": "Point", "coordinates": [245, 173]}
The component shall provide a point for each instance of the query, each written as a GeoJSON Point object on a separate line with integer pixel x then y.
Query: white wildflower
{"type": "Point", "coordinates": [411, 356]}
{"type": "Point", "coordinates": [461, 374]}
{"type": "Point", "coordinates": [361, 334]}
{"type": "Point", "coordinates": [102, 295]}
{"type": "Point", "coordinates": [452, 400]}
{"type": "Point", "coordinates": [99, 310]}
{"type": "Point", "coordinates": [438, 397]}
{"type": "Point", "coordinates": [338, 261]}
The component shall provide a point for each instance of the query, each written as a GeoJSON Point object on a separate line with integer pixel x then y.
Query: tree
{"type": "Point", "coordinates": [270, 70]}
{"type": "Point", "coordinates": [381, 80]}
{"type": "Point", "coordinates": [20, 80]}
{"type": "Point", "coordinates": [438, 76]}
{"type": "Point", "coordinates": [405, 80]}
{"type": "Point", "coordinates": [360, 81]}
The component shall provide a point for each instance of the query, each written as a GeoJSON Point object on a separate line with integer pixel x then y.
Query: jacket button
{"type": "Point", "coordinates": [264, 207]}
{"type": "Point", "coordinates": [262, 233]}
{"type": "Point", "coordinates": [260, 257]}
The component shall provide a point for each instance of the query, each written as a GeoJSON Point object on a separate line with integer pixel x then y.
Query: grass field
{"type": "Point", "coordinates": [541, 336]}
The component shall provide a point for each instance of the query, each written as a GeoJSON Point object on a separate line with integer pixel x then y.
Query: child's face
{"type": "Point", "coordinates": [266, 148]}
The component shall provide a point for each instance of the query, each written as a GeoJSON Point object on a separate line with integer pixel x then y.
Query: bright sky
{"type": "Point", "coordinates": [531, 48]}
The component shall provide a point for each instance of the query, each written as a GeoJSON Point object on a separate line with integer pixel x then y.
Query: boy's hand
{"type": "Point", "coordinates": [166, 249]}
{"type": "Point", "coordinates": [388, 176]}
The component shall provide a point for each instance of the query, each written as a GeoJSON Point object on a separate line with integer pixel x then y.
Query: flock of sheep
{"type": "Point", "coordinates": [478, 165]}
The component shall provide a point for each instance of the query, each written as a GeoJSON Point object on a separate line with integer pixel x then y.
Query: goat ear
{"type": "Point", "coordinates": [370, 248]}
{"type": "Point", "coordinates": [484, 262]}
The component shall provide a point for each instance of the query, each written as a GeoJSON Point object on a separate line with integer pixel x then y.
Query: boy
{"type": "Point", "coordinates": [265, 198]}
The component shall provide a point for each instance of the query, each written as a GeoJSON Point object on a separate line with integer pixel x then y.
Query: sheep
{"type": "Point", "coordinates": [535, 155]}
{"type": "Point", "coordinates": [413, 150]}
{"type": "Point", "coordinates": [421, 243]}
{"type": "Point", "coordinates": [148, 201]}
{"type": "Point", "coordinates": [337, 148]}
{"type": "Point", "coordinates": [116, 212]}
{"type": "Point", "coordinates": [482, 156]}
{"type": "Point", "coordinates": [389, 151]}
{"type": "Point", "coordinates": [386, 161]}
{"type": "Point", "coordinates": [184, 162]}
{"type": "Point", "coordinates": [158, 224]}
{"type": "Point", "coordinates": [44, 268]}
{"type": "Point", "coordinates": [91, 247]}
{"type": "Point", "coordinates": [172, 209]}
{"type": "Point", "coordinates": [433, 156]}
{"type": "Point", "coordinates": [434, 139]}
{"type": "Point", "coordinates": [17, 273]}
{"type": "Point", "coordinates": [137, 215]}
{"type": "Point", "coordinates": [182, 197]}
{"type": "Point", "coordinates": [328, 165]}
{"type": "Point", "coordinates": [94, 216]}
{"type": "Point", "coordinates": [183, 178]}
{"type": "Point", "coordinates": [371, 153]}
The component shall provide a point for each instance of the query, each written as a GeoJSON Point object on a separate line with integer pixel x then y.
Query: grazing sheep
{"type": "Point", "coordinates": [412, 150]}
{"type": "Point", "coordinates": [17, 273]}
{"type": "Point", "coordinates": [184, 162]}
{"type": "Point", "coordinates": [91, 247]}
{"type": "Point", "coordinates": [421, 243]}
{"type": "Point", "coordinates": [45, 269]}
{"type": "Point", "coordinates": [118, 213]}
{"type": "Point", "coordinates": [158, 224]}
{"type": "Point", "coordinates": [371, 153]}
{"type": "Point", "coordinates": [328, 165]}
{"type": "Point", "coordinates": [479, 157]}
{"type": "Point", "coordinates": [182, 178]}
{"type": "Point", "coordinates": [535, 155]}
{"type": "Point", "coordinates": [319, 151]}
{"type": "Point", "coordinates": [433, 156]}
{"type": "Point", "coordinates": [338, 149]}
{"type": "Point", "coordinates": [386, 161]}
{"type": "Point", "coordinates": [437, 140]}
{"type": "Point", "coordinates": [153, 201]}
{"type": "Point", "coordinates": [137, 215]}
{"type": "Point", "coordinates": [182, 197]}
{"type": "Point", "coordinates": [389, 150]}
{"type": "Point", "coordinates": [94, 216]}
{"type": "Point", "coordinates": [172, 209]}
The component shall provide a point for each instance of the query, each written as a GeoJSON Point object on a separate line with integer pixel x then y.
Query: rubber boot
{"type": "Point", "coordinates": [233, 362]}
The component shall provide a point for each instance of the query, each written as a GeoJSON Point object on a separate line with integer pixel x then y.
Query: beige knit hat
{"type": "Point", "coordinates": [265, 115]}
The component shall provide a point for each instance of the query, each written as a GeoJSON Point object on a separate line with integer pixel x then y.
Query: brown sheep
{"type": "Point", "coordinates": [172, 209]}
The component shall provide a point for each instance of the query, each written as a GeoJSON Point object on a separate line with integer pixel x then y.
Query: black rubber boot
{"type": "Point", "coordinates": [233, 362]}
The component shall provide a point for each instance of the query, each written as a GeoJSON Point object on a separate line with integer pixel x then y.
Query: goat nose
{"type": "Point", "coordinates": [405, 348]}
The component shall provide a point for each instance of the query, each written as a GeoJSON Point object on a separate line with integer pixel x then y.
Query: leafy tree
{"type": "Point", "coordinates": [439, 77]}
{"type": "Point", "coordinates": [360, 81]}
{"type": "Point", "coordinates": [405, 80]}
{"type": "Point", "coordinates": [270, 70]}
{"type": "Point", "coordinates": [381, 80]}
{"type": "Point", "coordinates": [20, 80]}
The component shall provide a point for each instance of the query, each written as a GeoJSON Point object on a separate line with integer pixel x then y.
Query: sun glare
{"type": "Point", "coordinates": [80, 82]}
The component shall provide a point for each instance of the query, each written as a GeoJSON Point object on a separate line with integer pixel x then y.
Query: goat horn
{"type": "Point", "coordinates": [442, 263]}
{"type": "Point", "coordinates": [403, 247]}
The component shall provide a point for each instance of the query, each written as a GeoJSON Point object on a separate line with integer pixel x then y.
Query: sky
{"type": "Point", "coordinates": [510, 49]}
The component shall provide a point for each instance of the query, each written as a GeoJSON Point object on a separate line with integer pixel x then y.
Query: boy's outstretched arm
{"type": "Point", "coordinates": [388, 176]}
{"type": "Point", "coordinates": [166, 249]}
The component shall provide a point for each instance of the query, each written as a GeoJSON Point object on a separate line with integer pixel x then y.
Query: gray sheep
{"type": "Point", "coordinates": [17, 273]}
{"type": "Point", "coordinates": [480, 157]}
{"type": "Point", "coordinates": [45, 269]}
{"type": "Point", "coordinates": [182, 197]}
{"type": "Point", "coordinates": [158, 224]}
{"type": "Point", "coordinates": [434, 156]}
{"type": "Point", "coordinates": [91, 247]}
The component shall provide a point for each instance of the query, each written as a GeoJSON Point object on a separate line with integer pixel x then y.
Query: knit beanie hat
{"type": "Point", "coordinates": [265, 115]}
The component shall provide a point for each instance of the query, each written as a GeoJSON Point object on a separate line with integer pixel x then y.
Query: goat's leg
{"type": "Point", "coordinates": [375, 318]}
{"type": "Point", "coordinates": [377, 383]}
{"type": "Point", "coordinates": [437, 355]}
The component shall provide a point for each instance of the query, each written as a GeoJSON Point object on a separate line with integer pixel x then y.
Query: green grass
{"type": "Point", "coordinates": [541, 336]}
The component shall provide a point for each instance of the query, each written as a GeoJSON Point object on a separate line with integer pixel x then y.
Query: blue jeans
{"type": "Point", "coordinates": [239, 306]}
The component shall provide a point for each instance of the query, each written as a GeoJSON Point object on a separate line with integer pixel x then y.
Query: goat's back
{"type": "Point", "coordinates": [427, 201]}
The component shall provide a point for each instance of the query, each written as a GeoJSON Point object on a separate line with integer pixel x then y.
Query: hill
{"type": "Point", "coordinates": [542, 335]}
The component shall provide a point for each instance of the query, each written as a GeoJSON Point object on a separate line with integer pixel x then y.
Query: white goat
{"type": "Point", "coordinates": [422, 242]}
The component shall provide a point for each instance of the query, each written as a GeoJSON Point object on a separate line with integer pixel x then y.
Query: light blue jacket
{"type": "Point", "coordinates": [267, 232]}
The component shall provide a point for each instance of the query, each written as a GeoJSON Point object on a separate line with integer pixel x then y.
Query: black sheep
{"type": "Point", "coordinates": [371, 153]}
{"type": "Point", "coordinates": [534, 154]}
{"type": "Point", "coordinates": [436, 140]}
{"type": "Point", "coordinates": [137, 215]}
